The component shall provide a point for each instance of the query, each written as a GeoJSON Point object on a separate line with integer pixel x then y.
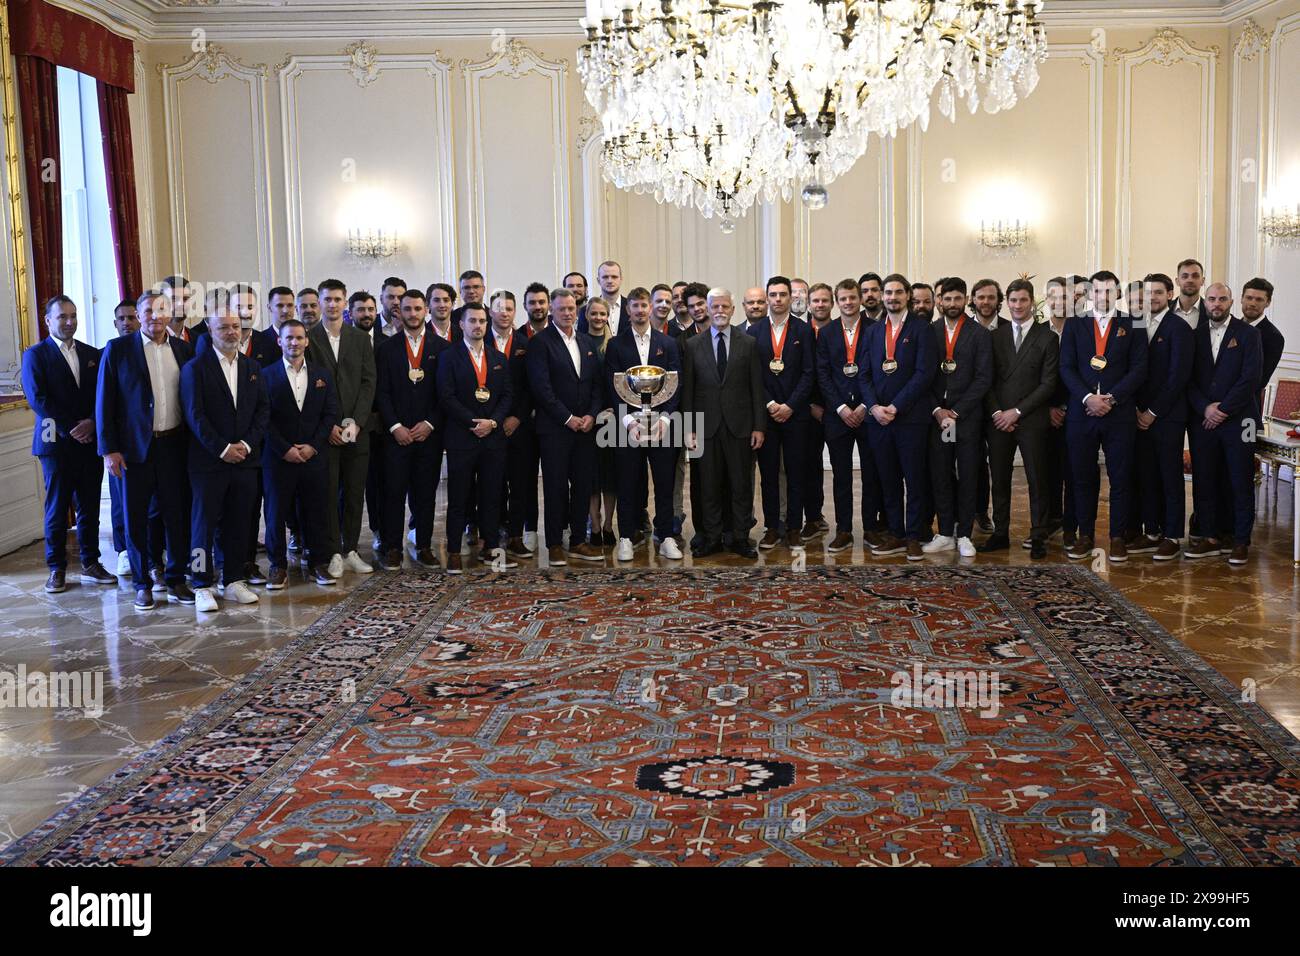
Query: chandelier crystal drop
{"type": "Point", "coordinates": [718, 104]}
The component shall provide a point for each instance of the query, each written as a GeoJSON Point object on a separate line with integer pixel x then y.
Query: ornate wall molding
{"type": "Point", "coordinates": [514, 60]}
{"type": "Point", "coordinates": [140, 119]}
{"type": "Point", "coordinates": [1167, 48]}
{"type": "Point", "coordinates": [365, 64]}
{"type": "Point", "coordinates": [1251, 43]}
{"type": "Point", "coordinates": [214, 65]}
{"type": "Point", "coordinates": [1246, 154]}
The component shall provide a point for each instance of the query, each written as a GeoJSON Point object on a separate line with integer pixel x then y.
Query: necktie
{"type": "Point", "coordinates": [1017, 330]}
{"type": "Point", "coordinates": [722, 356]}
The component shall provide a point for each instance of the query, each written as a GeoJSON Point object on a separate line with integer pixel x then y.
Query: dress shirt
{"type": "Point", "coordinates": [334, 341]}
{"type": "Point", "coordinates": [615, 312]}
{"type": "Point", "coordinates": [165, 378]}
{"type": "Point", "coordinates": [230, 369]}
{"type": "Point", "coordinates": [642, 344]}
{"type": "Point", "coordinates": [1217, 329]}
{"type": "Point", "coordinates": [1191, 316]}
{"type": "Point", "coordinates": [416, 343]}
{"type": "Point", "coordinates": [391, 328]}
{"type": "Point", "coordinates": [571, 343]}
{"type": "Point", "coordinates": [68, 350]}
{"type": "Point", "coordinates": [438, 332]}
{"type": "Point", "coordinates": [297, 382]}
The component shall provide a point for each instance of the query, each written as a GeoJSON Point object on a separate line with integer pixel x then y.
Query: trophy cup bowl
{"type": "Point", "coordinates": [646, 381]}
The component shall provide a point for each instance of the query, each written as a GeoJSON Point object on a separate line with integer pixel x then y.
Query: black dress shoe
{"type": "Point", "coordinates": [984, 523]}
{"type": "Point", "coordinates": [1037, 549]}
{"type": "Point", "coordinates": [745, 548]}
{"type": "Point", "coordinates": [999, 542]}
{"type": "Point", "coordinates": [705, 548]}
{"type": "Point", "coordinates": [144, 599]}
{"type": "Point", "coordinates": [697, 542]}
{"type": "Point", "coordinates": [180, 593]}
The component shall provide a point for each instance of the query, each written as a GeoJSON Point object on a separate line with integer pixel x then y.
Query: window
{"type": "Point", "coordinates": [89, 262]}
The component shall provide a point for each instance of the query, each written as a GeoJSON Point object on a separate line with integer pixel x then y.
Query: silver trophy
{"type": "Point", "coordinates": [647, 386]}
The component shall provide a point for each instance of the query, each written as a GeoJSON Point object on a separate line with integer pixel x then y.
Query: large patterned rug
{"type": "Point", "coordinates": [736, 717]}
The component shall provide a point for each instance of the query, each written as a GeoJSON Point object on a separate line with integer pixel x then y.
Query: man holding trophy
{"type": "Point", "coordinates": [641, 370]}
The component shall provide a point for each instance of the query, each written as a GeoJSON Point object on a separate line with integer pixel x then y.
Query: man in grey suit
{"type": "Point", "coordinates": [725, 412]}
{"type": "Point", "coordinates": [348, 354]}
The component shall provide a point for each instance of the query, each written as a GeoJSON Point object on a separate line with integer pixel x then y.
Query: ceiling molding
{"type": "Point", "coordinates": [431, 19]}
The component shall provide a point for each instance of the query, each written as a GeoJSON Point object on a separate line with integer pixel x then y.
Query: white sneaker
{"type": "Point", "coordinates": [123, 564]}
{"type": "Point", "coordinates": [625, 550]}
{"type": "Point", "coordinates": [668, 549]}
{"type": "Point", "coordinates": [354, 562]}
{"type": "Point", "coordinates": [204, 599]}
{"type": "Point", "coordinates": [966, 547]}
{"type": "Point", "coordinates": [336, 566]}
{"type": "Point", "coordinates": [941, 542]}
{"type": "Point", "coordinates": [240, 594]}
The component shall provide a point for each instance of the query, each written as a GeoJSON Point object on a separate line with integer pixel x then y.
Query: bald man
{"type": "Point", "coordinates": [1223, 399]}
{"type": "Point", "coordinates": [754, 303]}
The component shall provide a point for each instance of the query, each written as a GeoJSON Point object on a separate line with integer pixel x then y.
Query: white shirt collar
{"type": "Point", "coordinates": [288, 367]}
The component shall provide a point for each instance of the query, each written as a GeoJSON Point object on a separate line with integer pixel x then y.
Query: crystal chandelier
{"type": "Point", "coordinates": [718, 104]}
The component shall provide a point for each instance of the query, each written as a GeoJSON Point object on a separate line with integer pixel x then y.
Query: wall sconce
{"type": "Point", "coordinates": [371, 244]}
{"type": "Point", "coordinates": [1003, 235]}
{"type": "Point", "coordinates": [1282, 226]}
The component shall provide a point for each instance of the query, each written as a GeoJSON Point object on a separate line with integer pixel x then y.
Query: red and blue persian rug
{"type": "Point", "coordinates": [738, 717]}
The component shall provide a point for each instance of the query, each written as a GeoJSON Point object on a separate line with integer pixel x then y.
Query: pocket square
{"type": "Point", "coordinates": [320, 383]}
{"type": "Point", "coordinates": [1232, 344]}
{"type": "Point", "coordinates": [1159, 339]}
{"type": "Point", "coordinates": [253, 377]}
{"type": "Point", "coordinates": [1119, 334]}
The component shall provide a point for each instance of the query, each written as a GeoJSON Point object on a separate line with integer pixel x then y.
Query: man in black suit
{"type": "Point", "coordinates": [1161, 424]}
{"type": "Point", "coordinates": [1190, 306]}
{"type": "Point", "coordinates": [609, 277]}
{"type": "Point", "coordinates": [308, 308]}
{"type": "Point", "coordinates": [1026, 357]}
{"type": "Point", "coordinates": [226, 409]}
{"type": "Point", "coordinates": [821, 303]}
{"type": "Point", "coordinates": [576, 283]}
{"type": "Point", "coordinates": [901, 365]}
{"type": "Point", "coordinates": [474, 397]}
{"type": "Point", "coordinates": [363, 312]}
{"type": "Point", "coordinates": [788, 364]}
{"type": "Point", "coordinates": [142, 439]}
{"type": "Point", "coordinates": [473, 289]}
{"type": "Point", "coordinates": [1103, 363]}
{"type": "Point", "coordinates": [724, 406]}
{"type": "Point", "coordinates": [965, 350]}
{"type": "Point", "coordinates": [563, 378]}
{"type": "Point", "coordinates": [841, 372]}
{"type": "Point", "coordinates": [349, 355]}
{"type": "Point", "coordinates": [303, 409]}
{"type": "Point", "coordinates": [390, 301]}
{"type": "Point", "coordinates": [519, 498]}
{"type": "Point", "coordinates": [1059, 481]}
{"type": "Point", "coordinates": [407, 398]}
{"type": "Point", "coordinates": [59, 378]}
{"type": "Point", "coordinates": [635, 445]}
{"type": "Point", "coordinates": [986, 298]}
{"type": "Point", "coordinates": [1224, 406]}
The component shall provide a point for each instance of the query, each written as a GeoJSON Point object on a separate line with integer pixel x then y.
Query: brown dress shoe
{"type": "Point", "coordinates": [1143, 544]}
{"type": "Point", "coordinates": [793, 539]}
{"type": "Point", "coordinates": [888, 544]}
{"type": "Point", "coordinates": [453, 563]}
{"type": "Point", "coordinates": [1168, 550]}
{"type": "Point", "coordinates": [587, 553]}
{"type": "Point", "coordinates": [516, 548]}
{"type": "Point", "coordinates": [1118, 551]}
{"type": "Point", "coordinates": [770, 539]}
{"type": "Point", "coordinates": [391, 560]}
{"type": "Point", "coordinates": [426, 558]}
{"type": "Point", "coordinates": [809, 531]}
{"type": "Point", "coordinates": [1201, 548]}
{"type": "Point", "coordinates": [841, 542]}
{"type": "Point", "coordinates": [1082, 548]}
{"type": "Point", "coordinates": [56, 583]}
{"type": "Point", "coordinates": [914, 552]}
{"type": "Point", "coordinates": [1240, 554]}
{"type": "Point", "coordinates": [276, 579]}
{"type": "Point", "coordinates": [555, 555]}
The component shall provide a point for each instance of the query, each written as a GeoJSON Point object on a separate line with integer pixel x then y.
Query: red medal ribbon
{"type": "Point", "coordinates": [851, 345]}
{"type": "Point", "coordinates": [480, 371]}
{"type": "Point", "coordinates": [891, 338]}
{"type": "Point", "coordinates": [510, 340]}
{"type": "Point", "coordinates": [1098, 339]}
{"type": "Point", "coordinates": [410, 353]}
{"type": "Point", "coordinates": [779, 347]}
{"type": "Point", "coordinates": [950, 341]}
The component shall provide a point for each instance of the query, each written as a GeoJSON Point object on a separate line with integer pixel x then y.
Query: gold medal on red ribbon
{"type": "Point", "coordinates": [1098, 361]}
{"type": "Point", "coordinates": [949, 365]}
{"type": "Point", "coordinates": [415, 374]}
{"type": "Point", "coordinates": [778, 346]}
{"type": "Point", "coordinates": [480, 372]}
{"type": "Point", "coordinates": [851, 349]}
{"type": "Point", "coordinates": [890, 364]}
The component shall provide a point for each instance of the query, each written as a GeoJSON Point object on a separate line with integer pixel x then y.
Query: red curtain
{"type": "Point", "coordinates": [38, 107]}
{"type": "Point", "coordinates": [115, 125]}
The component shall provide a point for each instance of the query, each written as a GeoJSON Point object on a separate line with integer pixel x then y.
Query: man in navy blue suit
{"type": "Point", "coordinates": [303, 409]}
{"type": "Point", "coordinates": [965, 351]}
{"type": "Point", "coordinates": [637, 446]}
{"type": "Point", "coordinates": [901, 365]}
{"type": "Point", "coordinates": [59, 377]}
{"type": "Point", "coordinates": [475, 397]}
{"type": "Point", "coordinates": [1103, 363]}
{"type": "Point", "coordinates": [1161, 424]}
{"type": "Point", "coordinates": [407, 398]}
{"type": "Point", "coordinates": [142, 438]}
{"type": "Point", "coordinates": [563, 370]}
{"type": "Point", "coordinates": [519, 508]}
{"type": "Point", "coordinates": [1224, 407]}
{"type": "Point", "coordinates": [842, 374]}
{"type": "Point", "coordinates": [788, 362]}
{"type": "Point", "coordinates": [227, 411]}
